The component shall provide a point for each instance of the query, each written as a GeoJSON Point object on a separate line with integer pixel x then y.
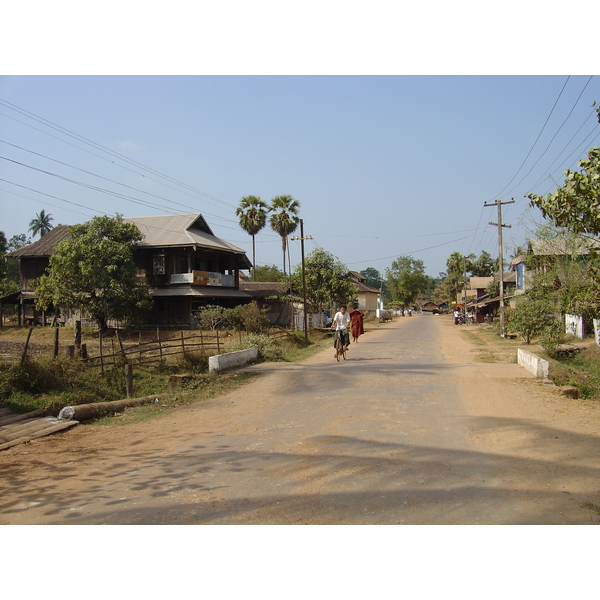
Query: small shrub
{"type": "Point", "coordinates": [531, 318]}
{"type": "Point", "coordinates": [268, 350]}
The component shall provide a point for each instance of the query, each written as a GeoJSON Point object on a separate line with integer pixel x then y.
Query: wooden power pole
{"type": "Point", "coordinates": [499, 204]}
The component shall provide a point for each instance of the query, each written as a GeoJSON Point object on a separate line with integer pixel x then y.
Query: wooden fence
{"type": "Point", "coordinates": [107, 351]}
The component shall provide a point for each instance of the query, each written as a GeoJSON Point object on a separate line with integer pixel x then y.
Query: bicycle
{"type": "Point", "coordinates": [340, 349]}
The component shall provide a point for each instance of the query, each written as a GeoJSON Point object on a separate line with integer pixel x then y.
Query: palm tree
{"type": "Point", "coordinates": [252, 212]}
{"type": "Point", "coordinates": [40, 224]}
{"type": "Point", "coordinates": [284, 219]}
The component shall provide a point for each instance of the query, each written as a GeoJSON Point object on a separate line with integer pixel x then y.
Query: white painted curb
{"type": "Point", "coordinates": [534, 364]}
{"type": "Point", "coordinates": [230, 360]}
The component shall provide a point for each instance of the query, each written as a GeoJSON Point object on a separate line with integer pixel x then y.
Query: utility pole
{"type": "Point", "coordinates": [302, 238]}
{"type": "Point", "coordinates": [499, 204]}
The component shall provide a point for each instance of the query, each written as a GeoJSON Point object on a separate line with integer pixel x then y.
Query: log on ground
{"type": "Point", "coordinates": [84, 412]}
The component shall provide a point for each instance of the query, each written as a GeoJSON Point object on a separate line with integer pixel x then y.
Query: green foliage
{"type": "Point", "coordinates": [268, 273]}
{"type": "Point", "coordinates": [576, 205]}
{"type": "Point", "coordinates": [373, 276]}
{"type": "Point", "coordinates": [250, 317]}
{"type": "Point", "coordinates": [18, 241]}
{"type": "Point", "coordinates": [268, 350]}
{"type": "Point", "coordinates": [484, 266]}
{"type": "Point", "coordinates": [406, 280]}
{"type": "Point", "coordinates": [532, 318]}
{"type": "Point", "coordinates": [252, 213]}
{"type": "Point", "coordinates": [40, 224]}
{"type": "Point", "coordinates": [211, 316]}
{"type": "Point", "coordinates": [327, 280]}
{"type": "Point", "coordinates": [94, 271]}
{"type": "Point", "coordinates": [48, 383]}
{"type": "Point", "coordinates": [284, 219]}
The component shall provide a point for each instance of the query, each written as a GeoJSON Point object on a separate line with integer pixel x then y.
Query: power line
{"type": "Point", "coordinates": [536, 139]}
{"type": "Point", "coordinates": [108, 151]}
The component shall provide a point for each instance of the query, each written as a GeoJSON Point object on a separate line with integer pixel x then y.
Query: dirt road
{"type": "Point", "coordinates": [409, 430]}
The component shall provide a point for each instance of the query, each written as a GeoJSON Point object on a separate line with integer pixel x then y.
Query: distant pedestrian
{"type": "Point", "coordinates": [456, 316]}
{"type": "Point", "coordinates": [356, 317]}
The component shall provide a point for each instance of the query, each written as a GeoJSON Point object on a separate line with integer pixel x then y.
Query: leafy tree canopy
{"type": "Point", "coordinates": [576, 205]}
{"type": "Point", "coordinates": [94, 271]}
{"type": "Point", "coordinates": [284, 219]}
{"type": "Point", "coordinates": [41, 224]}
{"type": "Point", "coordinates": [268, 273]}
{"type": "Point", "coordinates": [18, 241]}
{"type": "Point", "coordinates": [373, 276]}
{"type": "Point", "coordinates": [252, 213]}
{"type": "Point", "coordinates": [327, 280]}
{"type": "Point", "coordinates": [407, 280]}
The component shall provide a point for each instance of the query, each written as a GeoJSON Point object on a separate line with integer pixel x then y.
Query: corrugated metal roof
{"type": "Point", "coordinates": [260, 289]}
{"type": "Point", "coordinates": [204, 292]}
{"type": "Point", "coordinates": [562, 246]}
{"type": "Point", "coordinates": [45, 245]}
{"type": "Point", "coordinates": [179, 230]}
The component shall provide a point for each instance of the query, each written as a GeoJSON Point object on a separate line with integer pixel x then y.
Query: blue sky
{"type": "Point", "coordinates": [382, 166]}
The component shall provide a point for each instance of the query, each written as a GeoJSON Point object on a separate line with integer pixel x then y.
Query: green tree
{"type": "Point", "coordinates": [18, 241]}
{"type": "Point", "coordinates": [457, 267]}
{"type": "Point", "coordinates": [373, 276]}
{"type": "Point", "coordinates": [406, 280]}
{"type": "Point", "coordinates": [535, 317]}
{"type": "Point", "coordinates": [211, 316]}
{"type": "Point", "coordinates": [94, 270]}
{"type": "Point", "coordinates": [576, 205]}
{"type": "Point", "coordinates": [484, 266]}
{"type": "Point", "coordinates": [252, 213]}
{"type": "Point", "coordinates": [40, 224]}
{"type": "Point", "coordinates": [284, 219]}
{"type": "Point", "coordinates": [268, 273]}
{"type": "Point", "coordinates": [327, 280]}
{"type": "Point", "coordinates": [8, 285]}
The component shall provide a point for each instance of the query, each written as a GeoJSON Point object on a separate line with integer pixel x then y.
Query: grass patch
{"type": "Point", "coordinates": [490, 346]}
{"type": "Point", "coordinates": [196, 388]}
{"type": "Point", "coordinates": [591, 506]}
{"type": "Point", "coordinates": [579, 369]}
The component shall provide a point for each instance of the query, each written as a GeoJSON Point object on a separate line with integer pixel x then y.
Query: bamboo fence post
{"type": "Point", "coordinates": [56, 330]}
{"type": "Point", "coordinates": [128, 381]}
{"type": "Point", "coordinates": [121, 345]}
{"type": "Point", "coordinates": [101, 355]}
{"type": "Point", "coordinates": [140, 346]}
{"type": "Point", "coordinates": [182, 344]}
{"type": "Point", "coordinates": [159, 344]}
{"type": "Point", "coordinates": [24, 355]}
{"type": "Point", "coordinates": [78, 335]}
{"type": "Point", "coordinates": [218, 342]}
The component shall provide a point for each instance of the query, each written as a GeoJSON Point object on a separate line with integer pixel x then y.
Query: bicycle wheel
{"type": "Point", "coordinates": [339, 348]}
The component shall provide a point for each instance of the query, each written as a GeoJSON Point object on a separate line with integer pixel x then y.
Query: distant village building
{"type": "Point", "coordinates": [366, 296]}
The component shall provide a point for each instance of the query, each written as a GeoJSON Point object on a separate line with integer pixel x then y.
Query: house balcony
{"type": "Point", "coordinates": [203, 278]}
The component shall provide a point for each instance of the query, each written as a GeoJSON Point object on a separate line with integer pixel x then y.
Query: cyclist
{"type": "Point", "coordinates": [340, 322]}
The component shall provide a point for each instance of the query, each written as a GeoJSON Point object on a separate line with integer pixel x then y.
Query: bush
{"type": "Point", "coordinates": [248, 316]}
{"type": "Point", "coordinates": [268, 350]}
{"type": "Point", "coordinates": [532, 318]}
{"type": "Point", "coordinates": [211, 316]}
{"type": "Point", "coordinates": [47, 383]}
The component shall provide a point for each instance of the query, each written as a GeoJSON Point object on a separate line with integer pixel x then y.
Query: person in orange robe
{"type": "Point", "coordinates": [356, 317]}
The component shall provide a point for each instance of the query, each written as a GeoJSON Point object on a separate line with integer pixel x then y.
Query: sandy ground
{"type": "Point", "coordinates": [538, 451]}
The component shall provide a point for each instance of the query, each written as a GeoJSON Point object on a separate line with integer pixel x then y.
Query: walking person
{"type": "Point", "coordinates": [356, 316]}
{"type": "Point", "coordinates": [340, 323]}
